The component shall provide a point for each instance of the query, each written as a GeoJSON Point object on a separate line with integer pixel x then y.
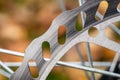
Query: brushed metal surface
{"type": "Point", "coordinates": [68, 18]}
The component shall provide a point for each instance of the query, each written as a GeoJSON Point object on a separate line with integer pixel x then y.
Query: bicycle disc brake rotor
{"type": "Point", "coordinates": [68, 18]}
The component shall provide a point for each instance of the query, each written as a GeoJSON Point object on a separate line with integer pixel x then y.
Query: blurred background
{"type": "Point", "coordinates": [21, 21]}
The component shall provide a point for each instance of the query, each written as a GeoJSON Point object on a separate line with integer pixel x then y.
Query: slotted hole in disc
{"type": "Point", "coordinates": [102, 9]}
{"type": "Point", "coordinates": [62, 34]}
{"type": "Point", "coordinates": [46, 49]}
{"type": "Point", "coordinates": [33, 69]}
{"type": "Point", "coordinates": [78, 25]}
{"type": "Point", "coordinates": [93, 31]}
{"type": "Point", "coordinates": [118, 8]}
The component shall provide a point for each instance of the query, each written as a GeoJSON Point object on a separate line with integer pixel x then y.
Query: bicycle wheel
{"type": "Point", "coordinates": [68, 19]}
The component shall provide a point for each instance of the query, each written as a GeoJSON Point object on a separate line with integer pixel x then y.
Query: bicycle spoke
{"type": "Point", "coordinates": [32, 64]}
{"type": "Point", "coordinates": [114, 63]}
{"type": "Point", "coordinates": [6, 74]}
{"type": "Point", "coordinates": [6, 67]}
{"type": "Point", "coordinates": [11, 52]}
{"type": "Point", "coordinates": [81, 59]}
{"type": "Point", "coordinates": [87, 44]}
{"type": "Point", "coordinates": [90, 69]}
{"type": "Point", "coordinates": [90, 59]}
{"type": "Point", "coordinates": [61, 2]}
